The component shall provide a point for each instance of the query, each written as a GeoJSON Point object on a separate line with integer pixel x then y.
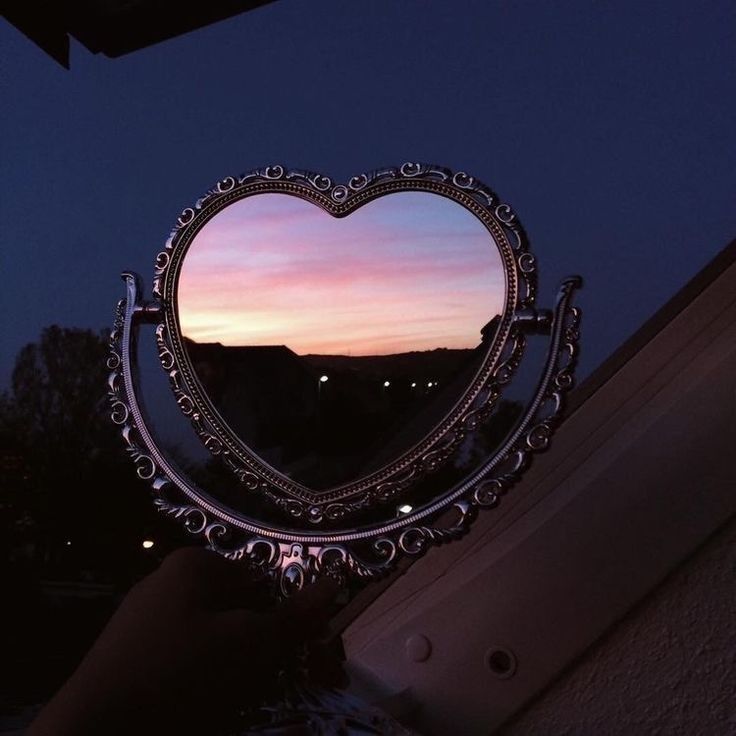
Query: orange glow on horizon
{"type": "Point", "coordinates": [411, 271]}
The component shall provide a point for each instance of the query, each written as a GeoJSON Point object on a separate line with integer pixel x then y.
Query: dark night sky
{"type": "Point", "coordinates": [609, 127]}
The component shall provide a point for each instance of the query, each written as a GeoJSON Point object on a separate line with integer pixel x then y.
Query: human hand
{"type": "Point", "coordinates": [188, 646]}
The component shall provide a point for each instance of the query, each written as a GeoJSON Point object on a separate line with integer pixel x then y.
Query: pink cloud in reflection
{"type": "Point", "coordinates": [411, 271]}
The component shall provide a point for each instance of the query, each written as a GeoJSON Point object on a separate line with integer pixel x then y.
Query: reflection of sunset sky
{"type": "Point", "coordinates": [410, 271]}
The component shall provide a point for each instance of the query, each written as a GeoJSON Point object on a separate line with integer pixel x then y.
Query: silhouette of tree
{"type": "Point", "coordinates": [71, 497]}
{"type": "Point", "coordinates": [72, 512]}
{"type": "Point", "coordinates": [58, 392]}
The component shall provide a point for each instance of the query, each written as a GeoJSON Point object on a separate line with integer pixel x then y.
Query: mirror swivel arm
{"type": "Point", "coordinates": [139, 310]}
{"type": "Point", "coordinates": [148, 313]}
{"type": "Point", "coordinates": [532, 321]}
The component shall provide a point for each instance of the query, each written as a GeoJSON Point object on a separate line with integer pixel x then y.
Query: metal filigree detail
{"type": "Point", "coordinates": [387, 483]}
{"type": "Point", "coordinates": [293, 558]}
{"type": "Point", "coordinates": [193, 518]}
{"type": "Point", "coordinates": [291, 564]}
{"type": "Point", "coordinates": [535, 431]}
{"type": "Point", "coordinates": [532, 433]}
{"type": "Point", "coordinates": [416, 539]}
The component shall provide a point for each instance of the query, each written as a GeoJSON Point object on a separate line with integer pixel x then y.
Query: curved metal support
{"type": "Point", "coordinates": [293, 558]}
{"type": "Point", "coordinates": [290, 558]}
{"type": "Point", "coordinates": [532, 433]}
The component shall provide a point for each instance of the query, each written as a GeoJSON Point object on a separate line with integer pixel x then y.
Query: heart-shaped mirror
{"type": "Point", "coordinates": [341, 350]}
{"type": "Point", "coordinates": [331, 347]}
{"type": "Point", "coordinates": [333, 342]}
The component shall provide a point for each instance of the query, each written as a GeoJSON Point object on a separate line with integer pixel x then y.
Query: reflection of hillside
{"type": "Point", "coordinates": [423, 387]}
{"type": "Point", "coordinates": [323, 433]}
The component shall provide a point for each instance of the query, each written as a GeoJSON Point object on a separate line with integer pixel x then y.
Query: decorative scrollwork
{"type": "Point", "coordinates": [463, 180]}
{"type": "Point", "coordinates": [505, 214]}
{"type": "Point", "coordinates": [114, 358]}
{"type": "Point", "coordinates": [164, 353]}
{"type": "Point", "coordinates": [340, 193]}
{"type": "Point", "coordinates": [527, 262]}
{"type": "Point", "coordinates": [338, 511]}
{"type": "Point", "coordinates": [186, 216]}
{"type": "Point", "coordinates": [538, 437]}
{"type": "Point", "coordinates": [486, 493]}
{"type": "Point", "coordinates": [193, 518]}
{"type": "Point", "coordinates": [290, 556]}
{"type": "Point", "coordinates": [412, 169]}
{"type": "Point", "coordinates": [274, 172]}
{"type": "Point", "coordinates": [415, 539]}
{"type": "Point", "coordinates": [226, 184]}
{"type": "Point", "coordinates": [119, 412]}
{"type": "Point", "coordinates": [358, 182]}
{"type": "Point", "coordinates": [216, 533]}
{"type": "Point", "coordinates": [145, 467]}
{"type": "Point", "coordinates": [388, 482]}
{"type": "Point", "coordinates": [534, 431]}
{"type": "Point", "coordinates": [162, 261]}
{"type": "Point", "coordinates": [514, 352]}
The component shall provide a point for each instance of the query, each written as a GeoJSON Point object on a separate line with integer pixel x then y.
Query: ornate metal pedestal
{"type": "Point", "coordinates": [297, 535]}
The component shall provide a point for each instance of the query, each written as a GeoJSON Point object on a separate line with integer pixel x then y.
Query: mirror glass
{"type": "Point", "coordinates": [331, 346]}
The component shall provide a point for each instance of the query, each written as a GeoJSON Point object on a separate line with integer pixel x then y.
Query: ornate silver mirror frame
{"type": "Point", "coordinates": [291, 547]}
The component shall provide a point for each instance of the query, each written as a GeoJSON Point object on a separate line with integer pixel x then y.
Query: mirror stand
{"type": "Point", "coordinates": [293, 562]}
{"type": "Point", "coordinates": [293, 558]}
{"type": "Point", "coordinates": [428, 260]}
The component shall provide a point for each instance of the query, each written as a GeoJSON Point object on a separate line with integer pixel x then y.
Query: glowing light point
{"type": "Point", "coordinates": [147, 543]}
{"type": "Point", "coordinates": [387, 383]}
{"type": "Point", "coordinates": [405, 509]}
{"type": "Point", "coordinates": [324, 379]}
{"type": "Point", "coordinates": [429, 385]}
{"type": "Point", "coordinates": [68, 543]}
{"type": "Point", "coordinates": [414, 385]}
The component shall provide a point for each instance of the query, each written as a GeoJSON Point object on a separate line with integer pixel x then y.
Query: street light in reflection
{"type": "Point", "coordinates": [322, 380]}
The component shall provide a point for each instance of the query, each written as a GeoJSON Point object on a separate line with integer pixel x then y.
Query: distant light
{"type": "Point", "coordinates": [414, 385]}
{"type": "Point", "coordinates": [429, 385]}
{"type": "Point", "coordinates": [147, 543]}
{"type": "Point", "coordinates": [68, 543]}
{"type": "Point", "coordinates": [405, 509]}
{"type": "Point", "coordinates": [387, 383]}
{"type": "Point", "coordinates": [324, 378]}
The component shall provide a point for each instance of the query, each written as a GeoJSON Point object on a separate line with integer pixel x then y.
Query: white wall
{"type": "Point", "coordinates": [669, 667]}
